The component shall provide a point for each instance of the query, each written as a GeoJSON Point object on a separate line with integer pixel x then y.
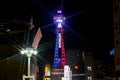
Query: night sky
{"type": "Point", "coordinates": [88, 22]}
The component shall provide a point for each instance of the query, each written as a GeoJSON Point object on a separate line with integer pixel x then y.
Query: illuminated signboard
{"type": "Point", "coordinates": [47, 70]}
{"type": "Point", "coordinates": [59, 40]}
{"type": "Point", "coordinates": [66, 72]}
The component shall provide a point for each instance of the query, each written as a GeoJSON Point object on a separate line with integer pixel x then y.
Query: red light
{"type": "Point", "coordinates": [76, 67]}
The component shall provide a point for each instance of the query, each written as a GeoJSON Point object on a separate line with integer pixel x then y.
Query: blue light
{"type": "Point", "coordinates": [112, 52]}
{"type": "Point", "coordinates": [59, 11]}
{"type": "Point", "coordinates": [59, 20]}
{"type": "Point", "coordinates": [59, 25]}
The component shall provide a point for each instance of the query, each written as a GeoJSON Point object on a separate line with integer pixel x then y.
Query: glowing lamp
{"type": "Point", "coordinates": [76, 67]}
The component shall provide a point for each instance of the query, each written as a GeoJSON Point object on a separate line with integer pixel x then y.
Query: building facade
{"type": "Point", "coordinates": [89, 66]}
{"type": "Point", "coordinates": [76, 63]}
{"type": "Point", "coordinates": [116, 17]}
{"type": "Point", "coordinates": [99, 70]}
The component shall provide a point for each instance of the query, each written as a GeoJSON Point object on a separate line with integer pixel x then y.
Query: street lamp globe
{"type": "Point", "coordinates": [29, 52]}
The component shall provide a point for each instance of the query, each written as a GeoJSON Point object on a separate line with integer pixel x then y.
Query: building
{"type": "Point", "coordinates": [89, 66]}
{"type": "Point", "coordinates": [76, 63]}
{"type": "Point", "coordinates": [109, 66]}
{"type": "Point", "coordinates": [116, 17]}
{"type": "Point", "coordinates": [99, 72]}
{"type": "Point", "coordinates": [73, 57]}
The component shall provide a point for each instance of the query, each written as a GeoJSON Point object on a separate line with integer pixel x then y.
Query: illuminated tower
{"type": "Point", "coordinates": [59, 55]}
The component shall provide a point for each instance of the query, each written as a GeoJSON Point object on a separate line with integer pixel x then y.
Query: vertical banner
{"type": "Point", "coordinates": [66, 72]}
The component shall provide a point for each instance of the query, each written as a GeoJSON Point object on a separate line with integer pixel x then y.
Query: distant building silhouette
{"type": "Point", "coordinates": [76, 63]}
{"type": "Point", "coordinates": [116, 14]}
{"type": "Point", "coordinates": [99, 70]}
{"type": "Point", "coordinates": [89, 66]}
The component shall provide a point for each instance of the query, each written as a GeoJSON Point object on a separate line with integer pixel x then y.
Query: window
{"type": "Point", "coordinates": [89, 68]}
{"type": "Point", "coordinates": [89, 78]}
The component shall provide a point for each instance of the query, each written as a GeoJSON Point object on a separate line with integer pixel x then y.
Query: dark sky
{"type": "Point", "coordinates": [90, 21]}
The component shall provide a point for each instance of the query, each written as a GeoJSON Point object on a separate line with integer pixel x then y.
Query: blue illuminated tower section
{"type": "Point", "coordinates": [59, 55]}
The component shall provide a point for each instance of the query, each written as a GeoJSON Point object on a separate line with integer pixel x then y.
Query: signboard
{"type": "Point", "coordinates": [47, 70]}
{"type": "Point", "coordinates": [67, 72]}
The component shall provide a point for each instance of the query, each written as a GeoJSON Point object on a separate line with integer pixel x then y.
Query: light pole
{"type": "Point", "coordinates": [29, 52]}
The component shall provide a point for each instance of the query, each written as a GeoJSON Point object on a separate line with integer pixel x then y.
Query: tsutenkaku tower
{"type": "Point", "coordinates": [59, 55]}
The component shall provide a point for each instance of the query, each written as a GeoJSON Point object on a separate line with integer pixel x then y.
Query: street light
{"type": "Point", "coordinates": [29, 52]}
{"type": "Point", "coordinates": [76, 67]}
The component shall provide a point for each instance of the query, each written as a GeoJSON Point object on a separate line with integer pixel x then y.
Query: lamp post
{"type": "Point", "coordinates": [29, 52]}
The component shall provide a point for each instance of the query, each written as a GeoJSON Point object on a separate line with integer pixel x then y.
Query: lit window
{"type": "Point", "coordinates": [89, 68]}
{"type": "Point", "coordinates": [89, 78]}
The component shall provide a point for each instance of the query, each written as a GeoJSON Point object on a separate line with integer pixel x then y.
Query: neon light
{"type": "Point", "coordinates": [59, 11]}
{"type": "Point", "coordinates": [59, 40]}
{"type": "Point", "coordinates": [67, 72]}
{"type": "Point", "coordinates": [56, 55]}
{"type": "Point", "coordinates": [59, 19]}
{"type": "Point", "coordinates": [59, 62]}
{"type": "Point", "coordinates": [47, 70]}
{"type": "Point", "coordinates": [59, 25]}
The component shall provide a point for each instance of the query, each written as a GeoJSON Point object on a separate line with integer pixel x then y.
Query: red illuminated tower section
{"type": "Point", "coordinates": [63, 54]}
{"type": "Point", "coordinates": [59, 56]}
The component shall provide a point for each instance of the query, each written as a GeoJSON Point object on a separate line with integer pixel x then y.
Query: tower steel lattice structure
{"type": "Point", "coordinates": [59, 55]}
